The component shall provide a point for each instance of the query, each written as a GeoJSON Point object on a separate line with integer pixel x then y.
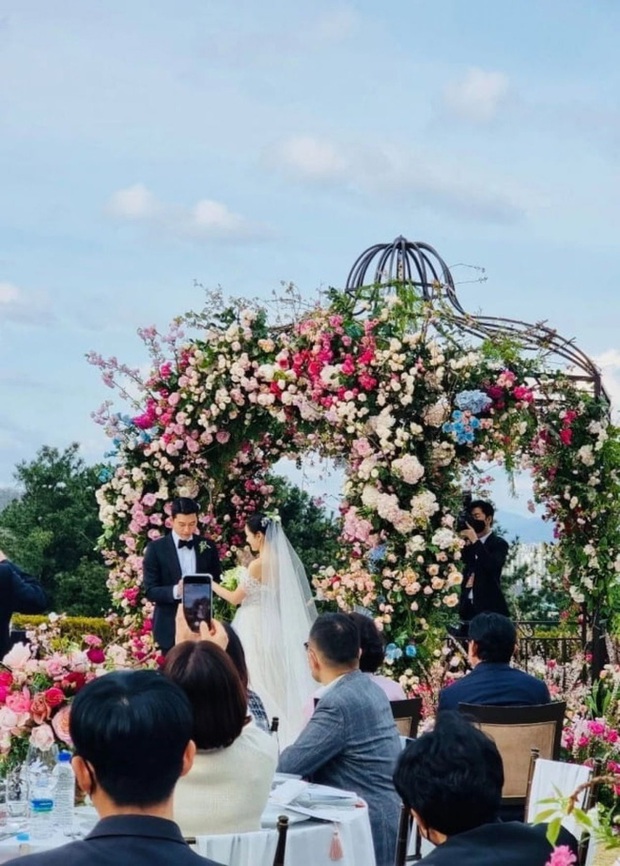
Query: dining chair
{"type": "Point", "coordinates": [516, 732]}
{"type": "Point", "coordinates": [407, 715]}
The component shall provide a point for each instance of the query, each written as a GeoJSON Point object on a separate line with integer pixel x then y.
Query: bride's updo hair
{"type": "Point", "coordinates": [257, 522]}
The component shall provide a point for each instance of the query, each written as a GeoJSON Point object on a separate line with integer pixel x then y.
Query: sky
{"type": "Point", "coordinates": [149, 146]}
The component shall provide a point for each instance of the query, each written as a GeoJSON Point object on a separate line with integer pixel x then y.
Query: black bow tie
{"type": "Point", "coordinates": [189, 543]}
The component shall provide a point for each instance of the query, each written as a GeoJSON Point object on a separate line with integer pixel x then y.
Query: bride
{"type": "Point", "coordinates": [273, 621]}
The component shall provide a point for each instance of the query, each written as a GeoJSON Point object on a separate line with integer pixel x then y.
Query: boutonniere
{"type": "Point", "coordinates": [202, 546]}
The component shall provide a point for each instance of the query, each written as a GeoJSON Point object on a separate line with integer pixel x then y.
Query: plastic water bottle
{"type": "Point", "coordinates": [64, 800]}
{"type": "Point", "coordinates": [41, 764]}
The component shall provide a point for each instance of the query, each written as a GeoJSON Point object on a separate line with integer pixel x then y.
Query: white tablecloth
{"type": "Point", "coordinates": [309, 843]}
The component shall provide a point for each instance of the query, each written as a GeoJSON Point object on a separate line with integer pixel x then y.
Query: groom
{"type": "Point", "coordinates": [167, 560]}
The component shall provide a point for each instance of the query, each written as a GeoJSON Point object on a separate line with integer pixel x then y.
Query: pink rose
{"type": "Point", "coordinates": [96, 655]}
{"type": "Point", "coordinates": [54, 696]}
{"type": "Point", "coordinates": [60, 724]}
{"type": "Point", "coordinates": [19, 702]}
{"type": "Point", "coordinates": [42, 737]}
{"type": "Point", "coordinates": [39, 709]}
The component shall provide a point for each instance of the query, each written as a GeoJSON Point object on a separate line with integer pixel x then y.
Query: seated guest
{"type": "Point", "coordinates": [492, 641]}
{"type": "Point", "coordinates": [351, 741]}
{"type": "Point", "coordinates": [256, 708]}
{"type": "Point", "coordinates": [230, 781]}
{"type": "Point", "coordinates": [131, 732]}
{"type": "Point", "coordinates": [451, 779]}
{"type": "Point", "coordinates": [373, 656]}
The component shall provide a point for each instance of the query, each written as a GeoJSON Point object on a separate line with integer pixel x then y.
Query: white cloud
{"type": "Point", "coordinates": [134, 203]}
{"type": "Point", "coordinates": [478, 95]}
{"type": "Point", "coordinates": [310, 158]}
{"type": "Point", "coordinates": [19, 308]}
{"type": "Point", "coordinates": [418, 177]}
{"type": "Point", "coordinates": [206, 220]}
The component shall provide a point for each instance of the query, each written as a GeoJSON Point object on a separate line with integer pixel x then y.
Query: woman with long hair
{"type": "Point", "coordinates": [275, 613]}
{"type": "Point", "coordinates": [228, 786]}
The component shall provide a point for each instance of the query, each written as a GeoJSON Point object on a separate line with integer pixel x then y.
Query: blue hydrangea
{"type": "Point", "coordinates": [411, 650]}
{"type": "Point", "coordinates": [473, 401]}
{"type": "Point", "coordinates": [105, 473]}
{"type": "Point", "coordinates": [392, 652]}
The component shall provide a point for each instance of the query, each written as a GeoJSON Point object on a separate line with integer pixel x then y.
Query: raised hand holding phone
{"type": "Point", "coordinates": [197, 600]}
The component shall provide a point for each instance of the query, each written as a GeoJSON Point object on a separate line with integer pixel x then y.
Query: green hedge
{"type": "Point", "coordinates": [71, 627]}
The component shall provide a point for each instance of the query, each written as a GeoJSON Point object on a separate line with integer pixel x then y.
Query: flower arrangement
{"type": "Point", "coordinates": [38, 682]}
{"type": "Point", "coordinates": [391, 388]}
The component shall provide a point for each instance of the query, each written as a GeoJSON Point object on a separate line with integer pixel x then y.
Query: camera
{"type": "Point", "coordinates": [465, 520]}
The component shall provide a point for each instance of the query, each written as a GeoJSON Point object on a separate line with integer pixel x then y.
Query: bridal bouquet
{"type": "Point", "coordinates": [38, 682]}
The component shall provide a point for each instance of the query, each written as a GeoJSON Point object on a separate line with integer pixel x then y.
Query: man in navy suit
{"type": "Point", "coordinates": [451, 780]}
{"type": "Point", "coordinates": [19, 593]}
{"type": "Point", "coordinates": [492, 641]}
{"type": "Point", "coordinates": [167, 560]}
{"type": "Point", "coordinates": [131, 732]}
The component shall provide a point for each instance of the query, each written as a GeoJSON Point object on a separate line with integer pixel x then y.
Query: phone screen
{"type": "Point", "coordinates": [197, 595]}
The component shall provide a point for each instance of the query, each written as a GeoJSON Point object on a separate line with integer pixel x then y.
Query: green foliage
{"type": "Point", "coordinates": [51, 530]}
{"type": "Point", "coordinates": [72, 628]}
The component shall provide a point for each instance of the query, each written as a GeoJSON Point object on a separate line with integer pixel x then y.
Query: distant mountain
{"type": "Point", "coordinates": [7, 494]}
{"type": "Point", "coordinates": [529, 530]}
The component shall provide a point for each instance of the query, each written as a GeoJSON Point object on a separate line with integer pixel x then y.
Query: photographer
{"type": "Point", "coordinates": [484, 556]}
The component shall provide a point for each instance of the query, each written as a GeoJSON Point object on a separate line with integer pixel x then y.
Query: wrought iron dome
{"type": "Point", "coordinates": [417, 264]}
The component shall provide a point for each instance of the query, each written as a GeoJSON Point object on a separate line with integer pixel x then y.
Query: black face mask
{"type": "Point", "coordinates": [478, 526]}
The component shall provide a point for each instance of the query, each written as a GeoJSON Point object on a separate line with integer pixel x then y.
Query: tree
{"type": "Point", "coordinates": [51, 530]}
{"type": "Point", "coordinates": [312, 532]}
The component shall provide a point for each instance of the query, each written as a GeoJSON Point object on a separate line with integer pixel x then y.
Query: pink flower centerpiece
{"type": "Point", "coordinates": [38, 682]}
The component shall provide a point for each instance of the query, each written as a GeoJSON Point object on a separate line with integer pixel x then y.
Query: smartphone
{"type": "Point", "coordinates": [197, 597]}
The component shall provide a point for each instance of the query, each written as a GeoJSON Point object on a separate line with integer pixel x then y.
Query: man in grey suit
{"type": "Point", "coordinates": [351, 741]}
{"type": "Point", "coordinates": [132, 736]}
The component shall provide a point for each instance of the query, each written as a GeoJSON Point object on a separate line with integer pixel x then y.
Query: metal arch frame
{"type": "Point", "coordinates": [420, 265]}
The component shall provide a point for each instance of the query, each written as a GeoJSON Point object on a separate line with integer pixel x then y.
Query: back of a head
{"type": "Point", "coordinates": [451, 776]}
{"type": "Point", "coordinates": [184, 505]}
{"type": "Point", "coordinates": [337, 638]}
{"type": "Point", "coordinates": [236, 653]}
{"type": "Point", "coordinates": [215, 691]}
{"type": "Point", "coordinates": [371, 643]}
{"type": "Point", "coordinates": [495, 637]}
{"type": "Point", "coordinates": [133, 728]}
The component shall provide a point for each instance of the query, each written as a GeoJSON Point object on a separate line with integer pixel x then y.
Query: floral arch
{"type": "Point", "coordinates": [393, 378]}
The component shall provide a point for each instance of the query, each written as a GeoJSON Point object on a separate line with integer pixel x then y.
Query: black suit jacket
{"type": "Point", "coordinates": [139, 840]}
{"type": "Point", "coordinates": [19, 593]}
{"type": "Point", "coordinates": [511, 844]}
{"type": "Point", "coordinates": [485, 560]}
{"type": "Point", "coordinates": [162, 572]}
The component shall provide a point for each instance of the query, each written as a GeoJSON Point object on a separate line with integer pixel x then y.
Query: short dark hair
{"type": "Point", "coordinates": [337, 637]}
{"type": "Point", "coordinates": [257, 522]}
{"type": "Point", "coordinates": [184, 505]}
{"type": "Point", "coordinates": [217, 697]}
{"type": "Point", "coordinates": [495, 637]}
{"type": "Point", "coordinates": [487, 509]}
{"type": "Point", "coordinates": [236, 653]}
{"type": "Point", "coordinates": [371, 643]}
{"type": "Point", "coordinates": [133, 728]}
{"type": "Point", "coordinates": [451, 776]}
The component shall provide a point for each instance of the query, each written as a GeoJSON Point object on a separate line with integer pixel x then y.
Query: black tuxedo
{"type": "Point", "coordinates": [19, 593]}
{"type": "Point", "coordinates": [139, 840]}
{"type": "Point", "coordinates": [484, 560]}
{"type": "Point", "coordinates": [511, 844]}
{"type": "Point", "coordinates": [162, 572]}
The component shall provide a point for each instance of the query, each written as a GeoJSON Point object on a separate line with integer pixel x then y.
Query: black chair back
{"type": "Point", "coordinates": [407, 715]}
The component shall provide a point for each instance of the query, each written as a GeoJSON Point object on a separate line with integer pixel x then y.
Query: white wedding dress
{"type": "Point", "coordinates": [273, 622]}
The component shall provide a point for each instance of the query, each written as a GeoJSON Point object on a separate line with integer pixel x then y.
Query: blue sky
{"type": "Point", "coordinates": [146, 145]}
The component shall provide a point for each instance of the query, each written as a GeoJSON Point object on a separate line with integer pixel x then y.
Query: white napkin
{"type": "Point", "coordinates": [288, 791]}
